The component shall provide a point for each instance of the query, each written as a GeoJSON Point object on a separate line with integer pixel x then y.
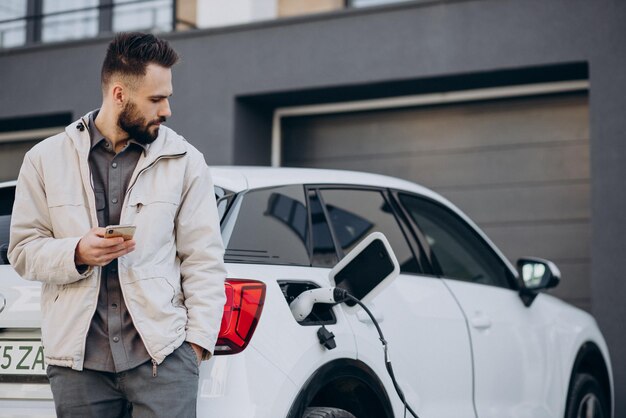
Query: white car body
{"type": "Point", "coordinates": [458, 349]}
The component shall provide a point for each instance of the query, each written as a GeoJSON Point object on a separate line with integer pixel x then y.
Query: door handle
{"type": "Point", "coordinates": [481, 321]}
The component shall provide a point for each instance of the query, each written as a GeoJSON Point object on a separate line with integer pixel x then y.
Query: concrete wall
{"type": "Point", "coordinates": [230, 79]}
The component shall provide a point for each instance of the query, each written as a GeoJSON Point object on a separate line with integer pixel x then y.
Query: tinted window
{"type": "Point", "coordinates": [7, 196]}
{"type": "Point", "coordinates": [459, 250]}
{"type": "Point", "coordinates": [354, 214]}
{"type": "Point", "coordinates": [324, 253]}
{"type": "Point", "coordinates": [270, 227]}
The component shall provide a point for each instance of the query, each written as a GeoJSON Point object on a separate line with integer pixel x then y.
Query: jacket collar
{"type": "Point", "coordinates": [168, 142]}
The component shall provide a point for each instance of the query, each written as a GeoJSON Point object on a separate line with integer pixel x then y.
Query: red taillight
{"type": "Point", "coordinates": [244, 303]}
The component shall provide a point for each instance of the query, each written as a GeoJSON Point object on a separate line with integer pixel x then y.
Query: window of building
{"type": "Point", "coordinates": [69, 19]}
{"type": "Point", "coordinates": [12, 23]}
{"type": "Point", "coordinates": [24, 22]}
{"type": "Point", "coordinates": [150, 15]}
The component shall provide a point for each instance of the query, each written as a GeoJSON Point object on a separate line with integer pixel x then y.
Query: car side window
{"type": "Point", "coordinates": [354, 214]}
{"type": "Point", "coordinates": [270, 228]}
{"type": "Point", "coordinates": [7, 196]}
{"type": "Point", "coordinates": [460, 252]}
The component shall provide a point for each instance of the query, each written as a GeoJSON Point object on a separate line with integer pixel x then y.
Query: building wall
{"type": "Point", "coordinates": [231, 79]}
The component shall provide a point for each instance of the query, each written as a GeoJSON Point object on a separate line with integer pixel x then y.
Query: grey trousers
{"type": "Point", "coordinates": [133, 393]}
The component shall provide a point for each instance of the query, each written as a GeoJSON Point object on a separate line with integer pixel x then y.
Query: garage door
{"type": "Point", "coordinates": [518, 166]}
{"type": "Point", "coordinates": [19, 134]}
{"type": "Point", "coordinates": [11, 157]}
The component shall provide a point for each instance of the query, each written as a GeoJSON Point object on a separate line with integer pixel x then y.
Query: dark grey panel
{"type": "Point", "coordinates": [608, 161]}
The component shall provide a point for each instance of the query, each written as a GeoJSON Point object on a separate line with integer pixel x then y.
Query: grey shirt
{"type": "Point", "coordinates": [113, 343]}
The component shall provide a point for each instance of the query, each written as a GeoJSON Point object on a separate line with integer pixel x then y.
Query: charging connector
{"type": "Point", "coordinates": [302, 306]}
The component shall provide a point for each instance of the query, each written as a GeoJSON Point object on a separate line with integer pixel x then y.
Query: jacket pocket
{"type": "Point", "coordinates": [158, 209]}
{"type": "Point", "coordinates": [69, 214]}
{"type": "Point", "coordinates": [151, 301]}
{"type": "Point", "coordinates": [64, 199]}
{"type": "Point", "coordinates": [66, 310]}
{"type": "Point", "coordinates": [144, 199]}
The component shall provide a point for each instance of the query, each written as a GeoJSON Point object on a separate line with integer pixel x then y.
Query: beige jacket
{"type": "Point", "coordinates": [173, 283]}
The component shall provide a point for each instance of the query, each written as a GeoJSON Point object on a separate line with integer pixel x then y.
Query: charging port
{"type": "Point", "coordinates": [322, 313]}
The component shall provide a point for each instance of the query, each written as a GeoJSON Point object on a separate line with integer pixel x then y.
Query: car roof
{"type": "Point", "coordinates": [239, 178]}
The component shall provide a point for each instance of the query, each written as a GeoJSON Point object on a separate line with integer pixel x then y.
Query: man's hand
{"type": "Point", "coordinates": [95, 250]}
{"type": "Point", "coordinates": [198, 351]}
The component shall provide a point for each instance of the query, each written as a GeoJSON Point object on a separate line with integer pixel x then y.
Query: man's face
{"type": "Point", "coordinates": [147, 105]}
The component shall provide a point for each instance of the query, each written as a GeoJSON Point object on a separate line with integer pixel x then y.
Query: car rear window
{"type": "Point", "coordinates": [268, 226]}
{"type": "Point", "coordinates": [223, 199]}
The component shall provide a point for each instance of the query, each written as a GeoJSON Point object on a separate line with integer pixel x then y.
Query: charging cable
{"type": "Point", "coordinates": [302, 306]}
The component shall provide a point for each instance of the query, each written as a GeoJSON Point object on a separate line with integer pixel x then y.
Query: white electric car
{"type": "Point", "coordinates": [468, 334]}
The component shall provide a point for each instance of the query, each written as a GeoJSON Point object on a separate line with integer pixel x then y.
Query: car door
{"type": "Point", "coordinates": [513, 349]}
{"type": "Point", "coordinates": [424, 326]}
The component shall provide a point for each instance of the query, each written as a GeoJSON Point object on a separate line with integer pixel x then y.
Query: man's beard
{"type": "Point", "coordinates": [136, 126]}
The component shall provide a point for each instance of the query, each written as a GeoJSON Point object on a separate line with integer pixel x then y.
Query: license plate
{"type": "Point", "coordinates": [21, 358]}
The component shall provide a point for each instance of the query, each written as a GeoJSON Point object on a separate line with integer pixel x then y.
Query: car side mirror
{"type": "Point", "coordinates": [536, 274]}
{"type": "Point", "coordinates": [367, 269]}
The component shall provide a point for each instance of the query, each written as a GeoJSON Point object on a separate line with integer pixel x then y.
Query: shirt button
{"type": "Point", "coordinates": [114, 165]}
{"type": "Point", "coordinates": [116, 339]}
{"type": "Point", "coordinates": [114, 200]}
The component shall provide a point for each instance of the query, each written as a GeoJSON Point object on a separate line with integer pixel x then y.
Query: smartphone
{"type": "Point", "coordinates": [124, 231]}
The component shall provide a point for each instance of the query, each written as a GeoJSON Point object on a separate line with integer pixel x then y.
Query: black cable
{"type": "Point", "coordinates": [348, 296]}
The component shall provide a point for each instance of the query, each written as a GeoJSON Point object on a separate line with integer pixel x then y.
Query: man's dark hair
{"type": "Point", "coordinates": [129, 54]}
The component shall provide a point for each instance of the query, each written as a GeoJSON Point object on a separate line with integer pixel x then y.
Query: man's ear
{"type": "Point", "coordinates": [119, 94]}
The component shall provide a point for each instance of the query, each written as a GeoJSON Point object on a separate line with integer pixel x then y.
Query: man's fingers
{"type": "Point", "coordinates": [98, 231]}
{"type": "Point", "coordinates": [112, 256]}
{"type": "Point", "coordinates": [95, 250]}
{"type": "Point", "coordinates": [121, 246]}
{"type": "Point", "coordinates": [108, 242]}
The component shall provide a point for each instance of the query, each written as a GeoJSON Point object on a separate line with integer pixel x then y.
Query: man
{"type": "Point", "coordinates": [125, 323]}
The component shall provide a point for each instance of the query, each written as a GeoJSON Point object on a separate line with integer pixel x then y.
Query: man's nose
{"type": "Point", "coordinates": [165, 110]}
